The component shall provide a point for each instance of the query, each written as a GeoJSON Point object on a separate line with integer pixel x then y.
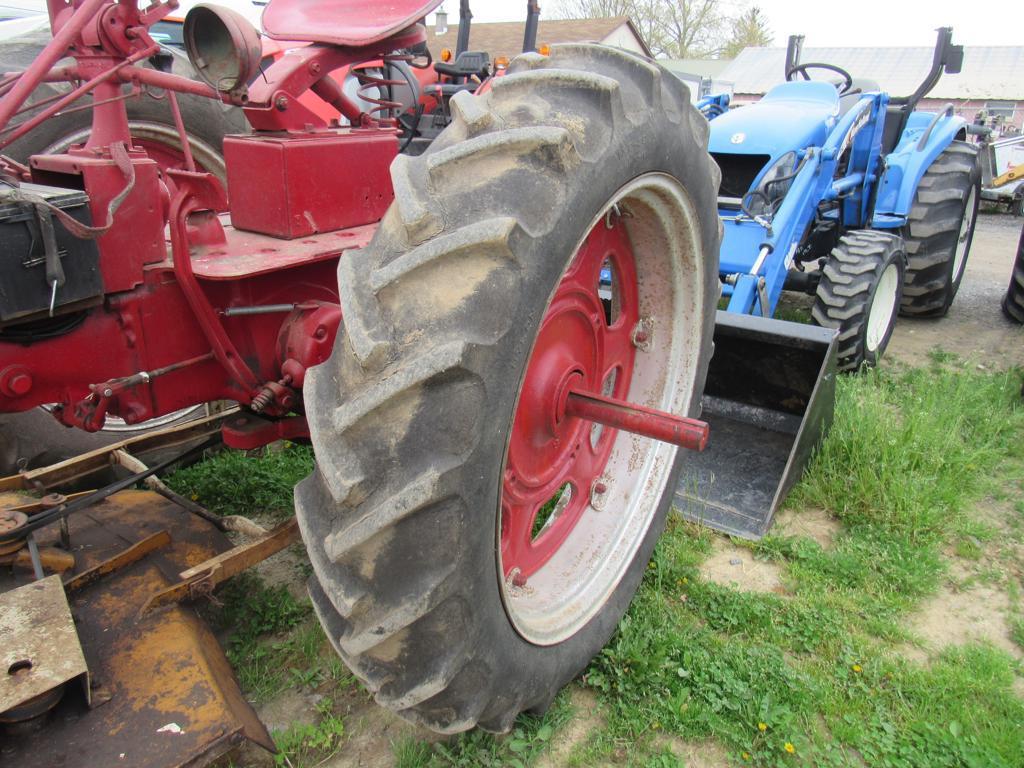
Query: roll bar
{"type": "Point", "coordinates": [948, 58]}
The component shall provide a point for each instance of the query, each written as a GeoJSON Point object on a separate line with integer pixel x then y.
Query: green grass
{"type": "Point", "coordinates": [311, 744]}
{"type": "Point", "coordinates": [246, 482]}
{"type": "Point", "coordinates": [815, 676]}
{"type": "Point", "coordinates": [908, 453]}
{"type": "Point", "coordinates": [529, 739]}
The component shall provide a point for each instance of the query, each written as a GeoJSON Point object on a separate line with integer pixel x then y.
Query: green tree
{"type": "Point", "coordinates": [749, 29]}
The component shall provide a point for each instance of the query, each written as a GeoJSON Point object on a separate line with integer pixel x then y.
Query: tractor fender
{"type": "Point", "coordinates": [907, 163]}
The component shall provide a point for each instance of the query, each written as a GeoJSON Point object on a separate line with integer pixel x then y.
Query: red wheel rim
{"type": "Point", "coordinates": [584, 342]}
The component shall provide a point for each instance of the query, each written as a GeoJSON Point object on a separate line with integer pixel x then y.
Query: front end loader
{"type": "Point", "coordinates": [840, 191]}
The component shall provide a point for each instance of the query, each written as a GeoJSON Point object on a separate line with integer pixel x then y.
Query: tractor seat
{"type": "Point", "coordinates": [348, 23]}
{"type": "Point", "coordinates": [859, 86]}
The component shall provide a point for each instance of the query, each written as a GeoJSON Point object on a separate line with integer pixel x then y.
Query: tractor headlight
{"type": "Point", "coordinates": [774, 184]}
{"type": "Point", "coordinates": [224, 48]}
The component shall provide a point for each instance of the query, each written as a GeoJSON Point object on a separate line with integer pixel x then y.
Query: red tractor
{"type": "Point", "coordinates": [496, 427]}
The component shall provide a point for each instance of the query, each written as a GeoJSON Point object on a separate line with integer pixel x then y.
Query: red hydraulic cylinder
{"type": "Point", "coordinates": [684, 432]}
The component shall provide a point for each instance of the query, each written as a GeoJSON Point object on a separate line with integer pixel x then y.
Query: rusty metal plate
{"type": "Point", "coordinates": [39, 649]}
{"type": "Point", "coordinates": [163, 692]}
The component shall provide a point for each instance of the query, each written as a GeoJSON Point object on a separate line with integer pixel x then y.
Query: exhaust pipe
{"type": "Point", "coordinates": [532, 20]}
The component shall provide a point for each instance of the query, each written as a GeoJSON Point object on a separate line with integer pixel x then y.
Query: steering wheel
{"type": "Point", "coordinates": [802, 70]}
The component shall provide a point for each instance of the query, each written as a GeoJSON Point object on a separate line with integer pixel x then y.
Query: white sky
{"type": "Point", "coordinates": [841, 22]}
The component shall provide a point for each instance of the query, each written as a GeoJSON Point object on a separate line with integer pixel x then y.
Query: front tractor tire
{"type": "Point", "coordinates": [940, 230]}
{"type": "Point", "coordinates": [859, 295]}
{"type": "Point", "coordinates": [473, 545]}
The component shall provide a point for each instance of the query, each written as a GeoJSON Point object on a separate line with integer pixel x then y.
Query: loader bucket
{"type": "Point", "coordinates": [769, 400]}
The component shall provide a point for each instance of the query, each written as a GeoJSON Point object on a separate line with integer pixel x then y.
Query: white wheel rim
{"type": "Point", "coordinates": [883, 308]}
{"type": "Point", "coordinates": [573, 586]}
{"type": "Point", "coordinates": [960, 257]}
{"type": "Point", "coordinates": [119, 425]}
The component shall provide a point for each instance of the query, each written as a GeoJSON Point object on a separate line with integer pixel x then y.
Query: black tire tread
{"type": "Point", "coordinates": [933, 227]}
{"type": "Point", "coordinates": [1013, 300]}
{"type": "Point", "coordinates": [844, 293]}
{"type": "Point", "coordinates": [450, 259]}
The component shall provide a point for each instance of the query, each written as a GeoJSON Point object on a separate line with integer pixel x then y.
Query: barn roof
{"type": "Point", "coordinates": [989, 72]}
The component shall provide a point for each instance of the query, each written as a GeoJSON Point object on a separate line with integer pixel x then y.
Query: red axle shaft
{"type": "Point", "coordinates": [688, 433]}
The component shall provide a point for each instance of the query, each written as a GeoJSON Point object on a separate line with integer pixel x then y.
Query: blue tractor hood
{"type": "Point", "coordinates": [791, 116]}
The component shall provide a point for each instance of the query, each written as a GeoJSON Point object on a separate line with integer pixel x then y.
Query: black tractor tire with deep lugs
{"type": "Point", "coordinates": [411, 415]}
{"type": "Point", "coordinates": [948, 195]}
{"type": "Point", "coordinates": [1013, 301]}
{"type": "Point", "coordinates": [849, 288]}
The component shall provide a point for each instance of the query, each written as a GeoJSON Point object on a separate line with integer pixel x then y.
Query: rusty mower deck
{"type": "Point", "coordinates": [103, 662]}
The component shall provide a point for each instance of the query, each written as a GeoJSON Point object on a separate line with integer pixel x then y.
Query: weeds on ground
{"type": "Point", "coordinates": [311, 744]}
{"type": "Point", "coordinates": [812, 678]}
{"type": "Point", "coordinates": [246, 482]}
{"type": "Point", "coordinates": [529, 739]}
{"type": "Point", "coordinates": [273, 641]}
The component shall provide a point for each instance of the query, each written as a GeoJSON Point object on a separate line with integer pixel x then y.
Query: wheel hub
{"type": "Point", "coordinates": [584, 344]}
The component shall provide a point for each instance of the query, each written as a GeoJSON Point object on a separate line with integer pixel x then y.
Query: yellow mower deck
{"type": "Point", "coordinates": [160, 691]}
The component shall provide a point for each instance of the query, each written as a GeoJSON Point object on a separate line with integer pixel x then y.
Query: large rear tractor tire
{"type": "Point", "coordinates": [859, 294]}
{"type": "Point", "coordinates": [473, 545]}
{"type": "Point", "coordinates": [940, 230]}
{"type": "Point", "coordinates": [1013, 301]}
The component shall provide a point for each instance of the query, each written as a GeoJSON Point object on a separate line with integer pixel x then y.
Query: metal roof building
{"type": "Point", "coordinates": [989, 72]}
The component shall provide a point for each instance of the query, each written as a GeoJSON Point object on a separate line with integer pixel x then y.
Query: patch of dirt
{"type": "Point", "coordinates": [289, 567]}
{"type": "Point", "coordinates": [959, 616]}
{"type": "Point", "coordinates": [814, 523]}
{"type": "Point", "coordinates": [734, 566]}
{"type": "Point", "coordinates": [290, 707]}
{"type": "Point", "coordinates": [586, 719]}
{"type": "Point", "coordinates": [705, 754]}
{"type": "Point", "coordinates": [373, 731]}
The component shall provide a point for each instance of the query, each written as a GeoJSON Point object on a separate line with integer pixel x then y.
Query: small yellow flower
{"type": "Point", "coordinates": [856, 668]}
{"type": "Point", "coordinates": [656, 726]}
{"type": "Point", "coordinates": [195, 497]}
{"type": "Point", "coordinates": [762, 727]}
{"type": "Point", "coordinates": [745, 755]}
{"type": "Point", "coordinates": [789, 748]}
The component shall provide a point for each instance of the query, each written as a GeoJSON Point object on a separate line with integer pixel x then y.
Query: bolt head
{"type": "Point", "coordinates": [21, 384]}
{"type": "Point", "coordinates": [15, 381]}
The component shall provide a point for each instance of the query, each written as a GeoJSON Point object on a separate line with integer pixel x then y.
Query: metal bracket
{"type": "Point", "coordinates": [41, 651]}
{"type": "Point", "coordinates": [200, 580]}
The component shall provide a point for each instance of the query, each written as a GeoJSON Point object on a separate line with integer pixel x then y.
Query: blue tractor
{"type": "Point", "coordinates": [840, 190]}
{"type": "Point", "coordinates": [837, 189]}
